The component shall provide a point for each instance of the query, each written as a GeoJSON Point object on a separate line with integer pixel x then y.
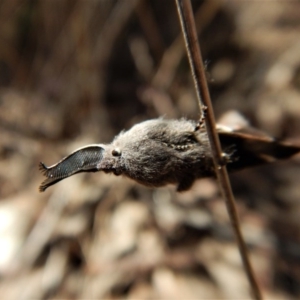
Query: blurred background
{"type": "Point", "coordinates": [74, 72]}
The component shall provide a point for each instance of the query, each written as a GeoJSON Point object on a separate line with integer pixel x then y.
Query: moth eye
{"type": "Point", "coordinates": [116, 152]}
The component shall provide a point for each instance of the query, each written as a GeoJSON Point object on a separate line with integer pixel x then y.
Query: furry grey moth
{"type": "Point", "coordinates": [159, 152]}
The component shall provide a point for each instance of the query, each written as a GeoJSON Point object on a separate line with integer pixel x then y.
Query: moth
{"type": "Point", "coordinates": [158, 152]}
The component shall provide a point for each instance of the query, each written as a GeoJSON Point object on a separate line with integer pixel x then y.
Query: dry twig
{"type": "Point", "coordinates": [193, 50]}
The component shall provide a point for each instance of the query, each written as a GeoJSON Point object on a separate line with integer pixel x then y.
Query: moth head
{"type": "Point", "coordinates": [112, 160]}
{"type": "Point", "coordinates": [116, 152]}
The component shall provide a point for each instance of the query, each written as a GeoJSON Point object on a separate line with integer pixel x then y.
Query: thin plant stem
{"type": "Point", "coordinates": [195, 59]}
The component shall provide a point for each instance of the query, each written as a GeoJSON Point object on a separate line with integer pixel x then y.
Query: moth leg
{"type": "Point", "coordinates": [229, 156]}
{"type": "Point", "coordinates": [201, 122]}
{"type": "Point", "coordinates": [185, 184]}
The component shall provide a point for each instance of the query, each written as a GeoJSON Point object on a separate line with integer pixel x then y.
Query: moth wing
{"type": "Point", "coordinates": [252, 147]}
{"type": "Point", "coordinates": [85, 159]}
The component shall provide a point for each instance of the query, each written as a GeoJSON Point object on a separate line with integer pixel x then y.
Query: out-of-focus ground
{"type": "Point", "coordinates": [78, 72]}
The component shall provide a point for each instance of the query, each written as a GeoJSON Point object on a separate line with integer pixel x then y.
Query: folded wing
{"type": "Point", "coordinates": [251, 147]}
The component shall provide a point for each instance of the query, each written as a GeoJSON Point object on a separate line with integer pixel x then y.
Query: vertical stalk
{"type": "Point", "coordinates": [188, 27]}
